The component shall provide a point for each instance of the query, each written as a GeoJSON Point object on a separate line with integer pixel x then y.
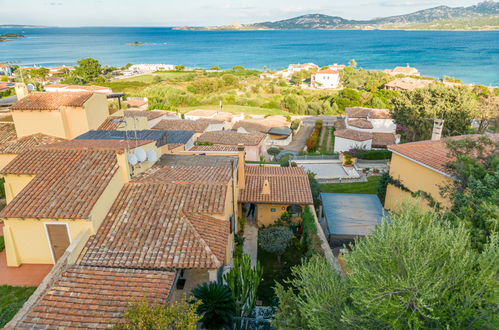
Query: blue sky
{"type": "Point", "coordinates": [197, 12]}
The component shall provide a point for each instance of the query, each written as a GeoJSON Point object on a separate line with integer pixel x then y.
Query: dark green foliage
{"type": "Point", "coordinates": [475, 192]}
{"type": "Point", "coordinates": [88, 69]}
{"type": "Point", "coordinates": [275, 239]}
{"type": "Point", "coordinates": [2, 188]}
{"type": "Point", "coordinates": [315, 187]}
{"type": "Point", "coordinates": [295, 124]}
{"type": "Point", "coordinates": [284, 160]}
{"type": "Point", "coordinates": [414, 111]}
{"type": "Point", "coordinates": [310, 239]}
{"type": "Point", "coordinates": [2, 243]}
{"type": "Point", "coordinates": [364, 80]}
{"type": "Point", "coordinates": [12, 299]}
{"type": "Point", "coordinates": [383, 182]}
{"type": "Point", "coordinates": [217, 306]}
{"type": "Point", "coordinates": [370, 154]}
{"type": "Point", "coordinates": [243, 281]}
{"type": "Point", "coordinates": [416, 272]}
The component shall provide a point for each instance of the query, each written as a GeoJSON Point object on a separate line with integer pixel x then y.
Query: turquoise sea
{"type": "Point", "coordinates": [470, 56]}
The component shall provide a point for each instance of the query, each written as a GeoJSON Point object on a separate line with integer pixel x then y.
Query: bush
{"type": "Point", "coordinates": [2, 243]}
{"type": "Point", "coordinates": [370, 154]}
{"type": "Point", "coordinates": [275, 239]}
{"type": "Point", "coordinates": [295, 124]}
{"type": "Point", "coordinates": [310, 239]}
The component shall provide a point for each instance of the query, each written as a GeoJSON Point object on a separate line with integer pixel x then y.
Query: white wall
{"type": "Point", "coordinates": [326, 80]}
{"type": "Point", "coordinates": [383, 125]}
{"type": "Point", "coordinates": [341, 144]}
{"type": "Point", "coordinates": [284, 142]}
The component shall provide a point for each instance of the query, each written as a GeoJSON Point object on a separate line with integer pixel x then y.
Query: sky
{"type": "Point", "coordinates": [198, 12]}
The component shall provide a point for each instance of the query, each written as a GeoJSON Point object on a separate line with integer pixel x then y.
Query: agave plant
{"type": "Point", "coordinates": [217, 306]}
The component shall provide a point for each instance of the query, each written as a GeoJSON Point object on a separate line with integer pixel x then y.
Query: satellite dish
{"type": "Point", "coordinates": [132, 159]}
{"type": "Point", "coordinates": [141, 154]}
{"type": "Point", "coordinates": [31, 87]}
{"type": "Point", "coordinates": [151, 155]}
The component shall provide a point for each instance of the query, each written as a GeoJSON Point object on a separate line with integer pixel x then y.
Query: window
{"type": "Point", "coordinates": [232, 224]}
{"type": "Point", "coordinates": [272, 209]}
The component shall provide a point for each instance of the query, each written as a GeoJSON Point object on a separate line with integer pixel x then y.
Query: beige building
{"type": "Point", "coordinates": [63, 115]}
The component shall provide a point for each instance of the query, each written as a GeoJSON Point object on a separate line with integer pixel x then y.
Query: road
{"type": "Point", "coordinates": [298, 143]}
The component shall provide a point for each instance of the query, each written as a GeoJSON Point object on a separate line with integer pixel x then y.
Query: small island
{"type": "Point", "coordinates": [10, 36]}
{"type": "Point", "coordinates": [142, 43]}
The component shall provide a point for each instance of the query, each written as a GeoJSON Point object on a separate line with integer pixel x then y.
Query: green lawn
{"type": "Point", "coordinates": [239, 108]}
{"type": "Point", "coordinates": [274, 272]}
{"type": "Point", "coordinates": [368, 187]}
{"type": "Point", "coordinates": [12, 299]}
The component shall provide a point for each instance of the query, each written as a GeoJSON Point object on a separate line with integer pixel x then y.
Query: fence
{"type": "Point", "coordinates": [315, 157]}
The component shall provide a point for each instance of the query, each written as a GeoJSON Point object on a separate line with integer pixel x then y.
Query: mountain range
{"type": "Point", "coordinates": [482, 16]}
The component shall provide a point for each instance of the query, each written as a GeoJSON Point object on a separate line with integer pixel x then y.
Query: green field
{"type": "Point", "coordinates": [12, 299]}
{"type": "Point", "coordinates": [170, 75]}
{"type": "Point", "coordinates": [368, 187]}
{"type": "Point", "coordinates": [239, 108]}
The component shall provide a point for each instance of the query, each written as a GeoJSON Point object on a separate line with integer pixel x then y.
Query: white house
{"type": "Point", "coordinates": [151, 67]}
{"type": "Point", "coordinates": [365, 128]}
{"type": "Point", "coordinates": [5, 69]}
{"type": "Point", "coordinates": [301, 67]}
{"type": "Point", "coordinates": [326, 79]}
{"type": "Point", "coordinates": [336, 66]}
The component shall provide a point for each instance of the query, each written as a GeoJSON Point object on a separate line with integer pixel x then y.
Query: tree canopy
{"type": "Point", "coordinates": [414, 110]}
{"type": "Point", "coordinates": [418, 271]}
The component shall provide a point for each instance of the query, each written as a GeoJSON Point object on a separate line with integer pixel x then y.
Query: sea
{"type": "Point", "coordinates": [471, 56]}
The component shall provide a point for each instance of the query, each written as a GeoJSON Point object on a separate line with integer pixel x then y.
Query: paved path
{"type": "Point", "coordinates": [299, 140]}
{"type": "Point", "coordinates": [250, 246]}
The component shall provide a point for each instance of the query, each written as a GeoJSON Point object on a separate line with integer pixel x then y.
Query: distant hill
{"type": "Point", "coordinates": [422, 19]}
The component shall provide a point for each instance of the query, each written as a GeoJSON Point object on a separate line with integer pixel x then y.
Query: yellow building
{"type": "Point", "coordinates": [270, 191]}
{"type": "Point", "coordinates": [418, 166]}
{"type": "Point", "coordinates": [64, 115]}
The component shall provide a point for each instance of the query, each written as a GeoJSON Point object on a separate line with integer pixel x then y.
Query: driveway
{"type": "Point", "coordinates": [298, 143]}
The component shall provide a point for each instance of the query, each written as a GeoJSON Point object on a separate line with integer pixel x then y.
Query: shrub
{"type": "Point", "coordinates": [295, 124]}
{"type": "Point", "coordinates": [143, 316]}
{"type": "Point", "coordinates": [275, 239]}
{"type": "Point", "coordinates": [217, 306]}
{"type": "Point", "coordinates": [242, 223]}
{"type": "Point", "coordinates": [2, 243]}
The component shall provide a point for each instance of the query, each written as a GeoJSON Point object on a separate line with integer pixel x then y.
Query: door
{"type": "Point", "coordinates": [58, 239]}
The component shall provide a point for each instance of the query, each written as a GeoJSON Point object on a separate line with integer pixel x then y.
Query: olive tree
{"type": "Point", "coordinates": [275, 239]}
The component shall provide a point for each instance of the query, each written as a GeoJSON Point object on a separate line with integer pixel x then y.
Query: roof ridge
{"type": "Point", "coordinates": [208, 249]}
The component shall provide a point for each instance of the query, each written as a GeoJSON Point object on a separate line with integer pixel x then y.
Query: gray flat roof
{"type": "Point", "coordinates": [352, 214]}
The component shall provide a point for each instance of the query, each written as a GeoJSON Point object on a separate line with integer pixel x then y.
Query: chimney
{"type": "Point", "coordinates": [241, 176]}
{"type": "Point", "coordinates": [266, 187]}
{"type": "Point", "coordinates": [438, 125]}
{"type": "Point", "coordinates": [21, 90]}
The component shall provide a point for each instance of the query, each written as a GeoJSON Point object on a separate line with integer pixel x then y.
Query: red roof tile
{"type": "Point", "coordinates": [149, 114]}
{"type": "Point", "coordinates": [433, 154]}
{"type": "Point", "coordinates": [158, 226]}
{"type": "Point", "coordinates": [96, 297]}
{"type": "Point", "coordinates": [7, 132]}
{"type": "Point", "coordinates": [361, 123]}
{"type": "Point", "coordinates": [382, 140]}
{"type": "Point", "coordinates": [67, 183]}
{"type": "Point", "coordinates": [190, 125]}
{"type": "Point", "coordinates": [51, 101]}
{"type": "Point", "coordinates": [28, 142]}
{"type": "Point", "coordinates": [115, 145]}
{"type": "Point", "coordinates": [215, 148]}
{"type": "Point", "coordinates": [232, 138]}
{"type": "Point", "coordinates": [352, 134]}
{"type": "Point", "coordinates": [186, 174]}
{"type": "Point", "coordinates": [288, 185]}
{"type": "Point", "coordinates": [111, 123]}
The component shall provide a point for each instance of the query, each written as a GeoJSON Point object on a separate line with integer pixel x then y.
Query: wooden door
{"type": "Point", "coordinates": [58, 239]}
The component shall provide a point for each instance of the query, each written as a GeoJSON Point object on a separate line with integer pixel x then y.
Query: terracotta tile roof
{"type": "Point", "coordinates": [327, 71]}
{"type": "Point", "coordinates": [433, 154]}
{"type": "Point", "coordinates": [361, 123]}
{"type": "Point", "coordinates": [96, 297]}
{"type": "Point", "coordinates": [7, 132]}
{"type": "Point", "coordinates": [67, 183]}
{"type": "Point", "coordinates": [408, 83]}
{"type": "Point", "coordinates": [111, 123]}
{"type": "Point", "coordinates": [340, 124]}
{"type": "Point", "coordinates": [382, 140]}
{"type": "Point", "coordinates": [232, 138]}
{"type": "Point", "coordinates": [186, 174]}
{"type": "Point", "coordinates": [115, 145]}
{"type": "Point", "coordinates": [193, 125]}
{"type": "Point", "coordinates": [149, 114]}
{"type": "Point", "coordinates": [198, 160]}
{"type": "Point", "coordinates": [288, 185]}
{"type": "Point", "coordinates": [159, 226]}
{"type": "Point", "coordinates": [51, 100]}
{"type": "Point", "coordinates": [367, 113]}
{"type": "Point", "coordinates": [201, 113]}
{"type": "Point", "coordinates": [352, 134]}
{"type": "Point", "coordinates": [405, 69]}
{"type": "Point", "coordinates": [260, 125]}
{"type": "Point", "coordinates": [136, 103]}
{"type": "Point", "coordinates": [357, 112]}
{"type": "Point", "coordinates": [215, 148]}
{"type": "Point", "coordinates": [28, 142]}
